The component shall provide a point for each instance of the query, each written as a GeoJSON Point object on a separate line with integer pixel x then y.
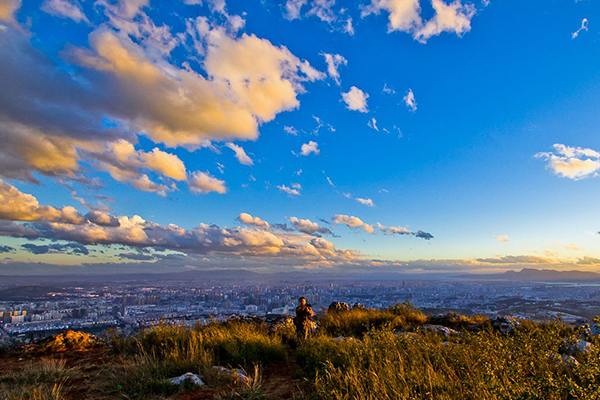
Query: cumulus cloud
{"type": "Point", "coordinates": [136, 232]}
{"type": "Point", "coordinates": [65, 9]}
{"type": "Point", "coordinates": [501, 238]}
{"type": "Point", "coordinates": [334, 61]}
{"type": "Point", "coordinates": [409, 100]}
{"type": "Point", "coordinates": [248, 219]}
{"type": "Point", "coordinates": [356, 99]}
{"type": "Point", "coordinates": [454, 17]}
{"type": "Point", "coordinates": [405, 16]}
{"type": "Point", "coordinates": [353, 222]}
{"type": "Point", "coordinates": [309, 227]}
{"type": "Point", "coordinates": [289, 190]}
{"type": "Point", "coordinates": [18, 206]}
{"type": "Point", "coordinates": [366, 202]}
{"type": "Point", "coordinates": [572, 162]}
{"type": "Point", "coordinates": [8, 8]}
{"type": "Point", "coordinates": [309, 148]}
{"type": "Point", "coordinates": [583, 27]}
{"type": "Point", "coordinates": [240, 154]}
{"type": "Point", "coordinates": [250, 81]}
{"type": "Point", "coordinates": [202, 182]}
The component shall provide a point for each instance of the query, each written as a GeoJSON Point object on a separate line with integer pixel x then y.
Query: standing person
{"type": "Point", "coordinates": [303, 314]}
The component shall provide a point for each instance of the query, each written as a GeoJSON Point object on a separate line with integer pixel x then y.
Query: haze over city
{"type": "Point", "coordinates": [372, 137]}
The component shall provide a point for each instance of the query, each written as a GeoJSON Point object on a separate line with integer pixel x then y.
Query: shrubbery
{"type": "Point", "coordinates": [356, 354]}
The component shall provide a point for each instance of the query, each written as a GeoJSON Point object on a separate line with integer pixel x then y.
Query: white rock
{"type": "Point", "coordinates": [188, 376]}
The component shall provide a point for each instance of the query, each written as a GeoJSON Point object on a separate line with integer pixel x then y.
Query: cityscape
{"type": "Point", "coordinates": [34, 311]}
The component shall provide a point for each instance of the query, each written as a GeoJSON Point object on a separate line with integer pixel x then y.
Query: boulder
{"type": "Point", "coordinates": [65, 341]}
{"type": "Point", "coordinates": [358, 306]}
{"type": "Point", "coordinates": [444, 330]}
{"type": "Point", "coordinates": [237, 374]}
{"type": "Point", "coordinates": [187, 377]}
{"type": "Point", "coordinates": [337, 306]}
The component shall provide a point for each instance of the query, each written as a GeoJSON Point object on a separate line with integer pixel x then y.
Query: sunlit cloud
{"type": "Point", "coordinates": [65, 9]}
{"type": "Point", "coordinates": [353, 222]}
{"type": "Point", "coordinates": [356, 100]}
{"type": "Point", "coordinates": [366, 202]}
{"type": "Point", "coordinates": [405, 16]}
{"type": "Point", "coordinates": [310, 148]}
{"type": "Point", "coordinates": [240, 154]}
{"type": "Point", "coordinates": [201, 182]}
{"type": "Point", "coordinates": [334, 62]}
{"type": "Point", "coordinates": [572, 162]}
{"type": "Point", "coordinates": [289, 190]}
{"type": "Point", "coordinates": [501, 238]}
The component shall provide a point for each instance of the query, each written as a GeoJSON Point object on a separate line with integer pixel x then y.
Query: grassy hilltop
{"type": "Point", "coordinates": [356, 354]}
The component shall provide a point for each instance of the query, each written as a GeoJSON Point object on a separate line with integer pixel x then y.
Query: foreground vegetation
{"type": "Point", "coordinates": [356, 354]}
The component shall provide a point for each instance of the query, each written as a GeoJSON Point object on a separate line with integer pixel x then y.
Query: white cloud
{"type": "Point", "coordinates": [388, 90]}
{"type": "Point", "coordinates": [248, 219]}
{"type": "Point", "coordinates": [393, 230]}
{"type": "Point", "coordinates": [405, 16]}
{"type": "Point", "coordinates": [201, 182]}
{"type": "Point", "coordinates": [290, 130]}
{"type": "Point", "coordinates": [308, 227]}
{"type": "Point", "coordinates": [572, 162]}
{"type": "Point", "coordinates": [65, 9]}
{"type": "Point", "coordinates": [583, 27]}
{"type": "Point", "coordinates": [454, 17]}
{"type": "Point", "coordinates": [372, 123]}
{"type": "Point", "coordinates": [366, 202]}
{"type": "Point", "coordinates": [310, 148]}
{"type": "Point", "coordinates": [501, 238]}
{"type": "Point", "coordinates": [353, 222]}
{"type": "Point", "coordinates": [289, 190]}
{"type": "Point", "coordinates": [409, 100]}
{"type": "Point", "coordinates": [334, 61]}
{"type": "Point", "coordinates": [249, 82]}
{"type": "Point", "coordinates": [240, 154]}
{"type": "Point", "coordinates": [330, 182]}
{"type": "Point", "coordinates": [356, 99]}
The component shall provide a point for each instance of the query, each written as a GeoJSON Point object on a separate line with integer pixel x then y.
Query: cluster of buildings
{"type": "Point", "coordinates": [127, 306]}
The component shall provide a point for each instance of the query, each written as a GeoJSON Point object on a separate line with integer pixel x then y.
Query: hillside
{"type": "Point", "coordinates": [398, 353]}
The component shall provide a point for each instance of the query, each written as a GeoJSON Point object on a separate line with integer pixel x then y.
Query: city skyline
{"type": "Point", "coordinates": [381, 136]}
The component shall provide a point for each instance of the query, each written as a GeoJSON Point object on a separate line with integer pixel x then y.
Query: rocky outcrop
{"type": "Point", "coordinates": [65, 341]}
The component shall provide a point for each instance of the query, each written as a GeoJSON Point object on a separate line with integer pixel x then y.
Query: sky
{"type": "Point", "coordinates": [409, 136]}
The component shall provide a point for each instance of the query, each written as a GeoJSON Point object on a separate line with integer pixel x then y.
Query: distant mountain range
{"type": "Point", "coordinates": [538, 275]}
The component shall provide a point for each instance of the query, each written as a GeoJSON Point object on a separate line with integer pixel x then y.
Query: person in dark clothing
{"type": "Point", "coordinates": [304, 313]}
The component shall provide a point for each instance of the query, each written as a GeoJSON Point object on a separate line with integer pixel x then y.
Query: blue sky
{"type": "Point", "coordinates": [387, 135]}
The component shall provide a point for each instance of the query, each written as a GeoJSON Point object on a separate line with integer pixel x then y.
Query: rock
{"type": "Point", "coordinates": [504, 325]}
{"type": "Point", "coordinates": [336, 306]}
{"type": "Point", "coordinates": [189, 377]}
{"type": "Point", "coordinates": [343, 338]}
{"type": "Point", "coordinates": [579, 347]}
{"type": "Point", "coordinates": [566, 360]}
{"type": "Point", "coordinates": [440, 329]}
{"type": "Point", "coordinates": [358, 306]}
{"type": "Point", "coordinates": [407, 335]}
{"type": "Point", "coordinates": [64, 341]}
{"type": "Point", "coordinates": [237, 374]}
